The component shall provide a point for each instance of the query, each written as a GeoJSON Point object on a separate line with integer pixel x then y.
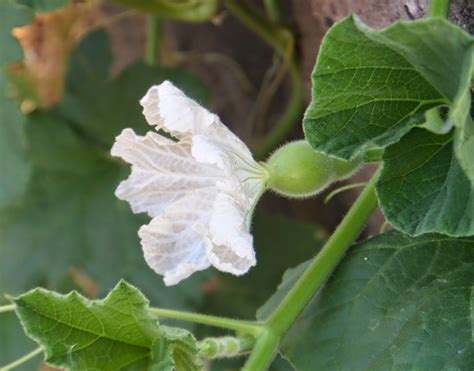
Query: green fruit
{"type": "Point", "coordinates": [297, 170]}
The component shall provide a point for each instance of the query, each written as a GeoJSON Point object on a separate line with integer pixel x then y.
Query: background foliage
{"type": "Point", "coordinates": [401, 300]}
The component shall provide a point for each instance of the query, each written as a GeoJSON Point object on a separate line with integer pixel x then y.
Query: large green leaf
{"type": "Point", "coordinates": [395, 302]}
{"type": "Point", "coordinates": [111, 334]}
{"type": "Point", "coordinates": [14, 167]}
{"type": "Point", "coordinates": [70, 216]}
{"type": "Point", "coordinates": [100, 106]}
{"type": "Point", "coordinates": [370, 87]}
{"type": "Point", "coordinates": [422, 187]}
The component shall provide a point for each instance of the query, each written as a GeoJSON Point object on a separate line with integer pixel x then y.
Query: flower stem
{"type": "Point", "coordinates": [249, 327]}
{"type": "Point", "coordinates": [314, 277]}
{"type": "Point", "coordinates": [279, 37]}
{"type": "Point", "coordinates": [7, 308]}
{"type": "Point", "coordinates": [22, 360]}
{"type": "Point", "coordinates": [439, 8]}
{"type": "Point", "coordinates": [153, 24]}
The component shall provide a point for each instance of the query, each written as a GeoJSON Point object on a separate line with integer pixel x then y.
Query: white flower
{"type": "Point", "coordinates": [200, 191]}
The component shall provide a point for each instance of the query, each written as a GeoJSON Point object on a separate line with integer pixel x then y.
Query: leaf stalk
{"type": "Point", "coordinates": [439, 8]}
{"type": "Point", "coordinates": [248, 327]}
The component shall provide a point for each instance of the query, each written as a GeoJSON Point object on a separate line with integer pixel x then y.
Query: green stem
{"type": "Point", "coordinates": [327, 259]}
{"type": "Point", "coordinates": [288, 119]}
{"type": "Point", "coordinates": [439, 8]}
{"type": "Point", "coordinates": [263, 352]}
{"type": "Point", "coordinates": [273, 9]}
{"type": "Point", "coordinates": [250, 327]}
{"type": "Point", "coordinates": [186, 10]}
{"type": "Point", "coordinates": [343, 189]}
{"type": "Point", "coordinates": [314, 276]}
{"type": "Point", "coordinates": [152, 36]}
{"type": "Point", "coordinates": [7, 308]}
{"type": "Point", "coordinates": [22, 360]}
{"type": "Point", "coordinates": [278, 37]}
{"type": "Point", "coordinates": [272, 33]}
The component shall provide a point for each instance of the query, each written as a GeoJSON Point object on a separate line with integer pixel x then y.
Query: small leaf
{"type": "Point", "coordinates": [183, 348]}
{"type": "Point", "coordinates": [395, 302]}
{"type": "Point", "coordinates": [47, 44]}
{"type": "Point", "coordinates": [107, 334]}
{"type": "Point", "coordinates": [422, 187]}
{"type": "Point", "coordinates": [115, 333]}
{"type": "Point", "coordinates": [370, 87]}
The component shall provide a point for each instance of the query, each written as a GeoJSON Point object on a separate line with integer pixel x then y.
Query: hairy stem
{"type": "Point", "coordinates": [263, 352]}
{"type": "Point", "coordinates": [439, 8]}
{"type": "Point", "coordinates": [278, 37]}
{"type": "Point", "coordinates": [314, 277]}
{"type": "Point", "coordinates": [249, 327]}
{"type": "Point", "coordinates": [22, 360]}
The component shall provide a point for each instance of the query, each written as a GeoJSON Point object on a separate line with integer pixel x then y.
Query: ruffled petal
{"type": "Point", "coordinates": [231, 244]}
{"type": "Point", "coordinates": [168, 108]}
{"type": "Point", "coordinates": [163, 171]}
{"type": "Point", "coordinates": [171, 245]}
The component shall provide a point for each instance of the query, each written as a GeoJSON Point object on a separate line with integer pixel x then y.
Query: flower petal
{"type": "Point", "coordinates": [163, 171]}
{"type": "Point", "coordinates": [231, 249]}
{"type": "Point", "coordinates": [171, 245]}
{"type": "Point", "coordinates": [167, 107]}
